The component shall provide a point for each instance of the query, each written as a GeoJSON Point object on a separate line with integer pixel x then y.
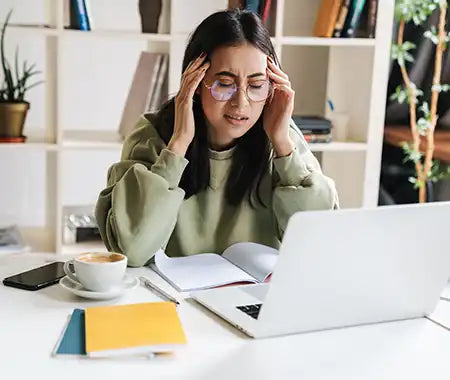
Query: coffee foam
{"type": "Point", "coordinates": [100, 258]}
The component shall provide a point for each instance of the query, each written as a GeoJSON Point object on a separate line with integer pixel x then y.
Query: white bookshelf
{"type": "Point", "coordinates": [351, 72]}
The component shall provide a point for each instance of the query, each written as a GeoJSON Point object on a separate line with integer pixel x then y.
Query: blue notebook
{"type": "Point", "coordinates": [73, 340]}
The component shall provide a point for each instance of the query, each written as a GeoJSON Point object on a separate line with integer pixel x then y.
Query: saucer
{"type": "Point", "coordinates": [128, 284]}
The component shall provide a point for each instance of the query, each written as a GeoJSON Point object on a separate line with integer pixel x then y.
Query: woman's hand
{"type": "Point", "coordinates": [278, 111]}
{"type": "Point", "coordinates": [184, 125]}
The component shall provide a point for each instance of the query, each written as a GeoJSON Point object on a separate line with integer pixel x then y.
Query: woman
{"type": "Point", "coordinates": [221, 162]}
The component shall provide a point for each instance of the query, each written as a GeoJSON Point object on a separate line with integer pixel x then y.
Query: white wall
{"type": "Point", "coordinates": [95, 75]}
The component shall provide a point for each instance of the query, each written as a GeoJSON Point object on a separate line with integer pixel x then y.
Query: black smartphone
{"type": "Point", "coordinates": [37, 278]}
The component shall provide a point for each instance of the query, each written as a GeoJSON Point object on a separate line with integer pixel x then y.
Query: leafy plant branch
{"type": "Point", "coordinates": [418, 11]}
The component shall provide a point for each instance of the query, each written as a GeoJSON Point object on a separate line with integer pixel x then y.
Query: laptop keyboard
{"type": "Point", "coordinates": [252, 310]}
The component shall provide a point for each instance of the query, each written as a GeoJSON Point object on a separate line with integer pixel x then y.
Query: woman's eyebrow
{"type": "Point", "coordinates": [230, 74]}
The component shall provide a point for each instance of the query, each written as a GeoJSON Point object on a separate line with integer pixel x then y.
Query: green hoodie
{"type": "Point", "coordinates": [143, 208]}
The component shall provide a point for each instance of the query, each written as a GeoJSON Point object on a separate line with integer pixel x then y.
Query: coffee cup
{"type": "Point", "coordinates": [97, 271]}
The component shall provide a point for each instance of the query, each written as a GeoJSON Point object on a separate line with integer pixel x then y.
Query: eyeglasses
{"type": "Point", "coordinates": [256, 92]}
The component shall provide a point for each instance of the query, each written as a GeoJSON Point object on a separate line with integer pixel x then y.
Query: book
{"type": "Point", "coordinates": [132, 329]}
{"type": "Point", "coordinates": [141, 91]}
{"type": "Point", "coordinates": [72, 341]}
{"type": "Point", "coordinates": [241, 262]}
{"type": "Point", "coordinates": [160, 89]}
{"type": "Point", "coordinates": [340, 21]}
{"type": "Point", "coordinates": [315, 138]}
{"type": "Point", "coordinates": [353, 18]}
{"type": "Point", "coordinates": [236, 4]}
{"type": "Point", "coordinates": [326, 18]}
{"type": "Point", "coordinates": [372, 18]}
{"type": "Point", "coordinates": [78, 15]}
{"type": "Point", "coordinates": [253, 6]}
{"type": "Point", "coordinates": [88, 9]}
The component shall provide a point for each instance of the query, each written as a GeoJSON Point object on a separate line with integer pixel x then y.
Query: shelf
{"type": "Point", "coordinates": [77, 248]}
{"type": "Point", "coordinates": [118, 34]}
{"type": "Point", "coordinates": [32, 143]}
{"type": "Point", "coordinates": [92, 140]}
{"type": "Point", "coordinates": [32, 29]}
{"type": "Point", "coordinates": [48, 31]}
{"type": "Point", "coordinates": [321, 41]}
{"type": "Point", "coordinates": [338, 147]}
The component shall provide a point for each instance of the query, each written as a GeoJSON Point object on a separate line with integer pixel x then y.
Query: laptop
{"type": "Point", "coordinates": [344, 268]}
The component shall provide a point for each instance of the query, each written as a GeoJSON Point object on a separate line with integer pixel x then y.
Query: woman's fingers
{"type": "Point", "coordinates": [272, 66]}
{"type": "Point", "coordinates": [191, 81]}
{"type": "Point", "coordinates": [277, 78]}
{"type": "Point", "coordinates": [195, 64]}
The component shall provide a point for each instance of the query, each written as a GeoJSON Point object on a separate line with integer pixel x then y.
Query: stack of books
{"type": "Point", "coordinates": [315, 129]}
{"type": "Point", "coordinates": [265, 9]}
{"type": "Point", "coordinates": [346, 18]}
{"type": "Point", "coordinates": [142, 329]}
{"type": "Point", "coordinates": [148, 90]}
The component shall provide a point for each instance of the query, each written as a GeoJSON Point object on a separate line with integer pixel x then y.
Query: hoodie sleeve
{"type": "Point", "coordinates": [137, 211]}
{"type": "Point", "coordinates": [300, 184]}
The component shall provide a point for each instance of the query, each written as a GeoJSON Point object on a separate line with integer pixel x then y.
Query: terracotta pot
{"type": "Point", "coordinates": [12, 118]}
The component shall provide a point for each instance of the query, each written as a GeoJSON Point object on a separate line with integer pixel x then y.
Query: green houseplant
{"type": "Point", "coordinates": [422, 128]}
{"type": "Point", "coordinates": [13, 90]}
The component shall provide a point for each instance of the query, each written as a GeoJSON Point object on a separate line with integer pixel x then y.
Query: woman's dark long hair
{"type": "Point", "coordinates": [252, 154]}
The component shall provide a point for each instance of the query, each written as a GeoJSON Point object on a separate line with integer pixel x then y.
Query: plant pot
{"type": "Point", "coordinates": [12, 118]}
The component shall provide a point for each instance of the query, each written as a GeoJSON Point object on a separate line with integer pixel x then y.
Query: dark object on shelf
{"type": "Point", "coordinates": [312, 124]}
{"type": "Point", "coordinates": [150, 10]}
{"type": "Point", "coordinates": [80, 227]}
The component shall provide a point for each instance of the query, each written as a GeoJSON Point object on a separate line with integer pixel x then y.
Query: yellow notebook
{"type": "Point", "coordinates": [133, 329]}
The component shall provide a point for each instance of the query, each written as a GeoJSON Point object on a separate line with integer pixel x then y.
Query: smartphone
{"type": "Point", "coordinates": [37, 278]}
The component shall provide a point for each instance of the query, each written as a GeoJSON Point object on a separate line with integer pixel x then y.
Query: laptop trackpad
{"type": "Point", "coordinates": [258, 291]}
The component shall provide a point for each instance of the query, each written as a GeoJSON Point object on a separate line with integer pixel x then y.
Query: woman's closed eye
{"type": "Point", "coordinates": [225, 84]}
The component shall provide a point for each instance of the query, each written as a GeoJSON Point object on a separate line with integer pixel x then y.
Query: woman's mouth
{"type": "Point", "coordinates": [236, 119]}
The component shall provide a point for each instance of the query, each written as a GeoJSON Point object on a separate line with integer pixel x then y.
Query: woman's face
{"type": "Point", "coordinates": [228, 120]}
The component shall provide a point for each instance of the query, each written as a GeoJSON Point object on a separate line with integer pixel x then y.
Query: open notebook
{"type": "Point", "coordinates": [241, 262]}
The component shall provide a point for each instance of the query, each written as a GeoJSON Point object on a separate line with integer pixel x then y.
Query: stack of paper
{"type": "Point", "coordinates": [136, 329]}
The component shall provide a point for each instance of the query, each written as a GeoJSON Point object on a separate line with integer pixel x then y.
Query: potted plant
{"type": "Point", "coordinates": [13, 90]}
{"type": "Point", "coordinates": [422, 128]}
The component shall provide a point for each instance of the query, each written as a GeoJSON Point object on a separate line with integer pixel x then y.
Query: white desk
{"type": "Point", "coordinates": [31, 322]}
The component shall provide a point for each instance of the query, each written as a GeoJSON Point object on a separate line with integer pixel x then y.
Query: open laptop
{"type": "Point", "coordinates": [345, 267]}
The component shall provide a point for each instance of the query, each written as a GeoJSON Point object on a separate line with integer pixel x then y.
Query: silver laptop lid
{"type": "Point", "coordinates": [348, 267]}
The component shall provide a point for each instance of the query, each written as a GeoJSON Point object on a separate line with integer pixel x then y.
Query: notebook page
{"type": "Point", "coordinates": [256, 259]}
{"type": "Point", "coordinates": [197, 272]}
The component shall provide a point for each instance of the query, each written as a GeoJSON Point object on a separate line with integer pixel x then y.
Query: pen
{"type": "Point", "coordinates": [161, 292]}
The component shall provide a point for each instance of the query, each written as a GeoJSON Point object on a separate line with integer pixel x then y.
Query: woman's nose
{"type": "Point", "coordinates": [239, 98]}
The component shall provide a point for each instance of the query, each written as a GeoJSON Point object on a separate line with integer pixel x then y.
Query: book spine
{"type": "Point", "coordinates": [266, 10]}
{"type": "Point", "coordinates": [88, 9]}
{"type": "Point", "coordinates": [343, 12]}
{"type": "Point", "coordinates": [353, 18]}
{"type": "Point", "coordinates": [326, 18]}
{"type": "Point", "coordinates": [253, 5]}
{"type": "Point", "coordinates": [372, 18]}
{"type": "Point", "coordinates": [81, 14]}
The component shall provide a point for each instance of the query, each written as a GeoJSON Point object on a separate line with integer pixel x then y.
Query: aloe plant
{"type": "Point", "coordinates": [14, 85]}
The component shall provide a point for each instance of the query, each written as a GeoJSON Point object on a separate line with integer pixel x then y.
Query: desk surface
{"type": "Point", "coordinates": [31, 322]}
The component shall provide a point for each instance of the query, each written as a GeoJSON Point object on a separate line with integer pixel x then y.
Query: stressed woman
{"type": "Point", "coordinates": [221, 162]}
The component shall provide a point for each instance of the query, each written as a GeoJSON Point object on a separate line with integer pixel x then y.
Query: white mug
{"type": "Point", "coordinates": [97, 271]}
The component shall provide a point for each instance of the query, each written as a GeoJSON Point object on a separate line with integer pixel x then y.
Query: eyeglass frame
{"type": "Point", "coordinates": [209, 87]}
